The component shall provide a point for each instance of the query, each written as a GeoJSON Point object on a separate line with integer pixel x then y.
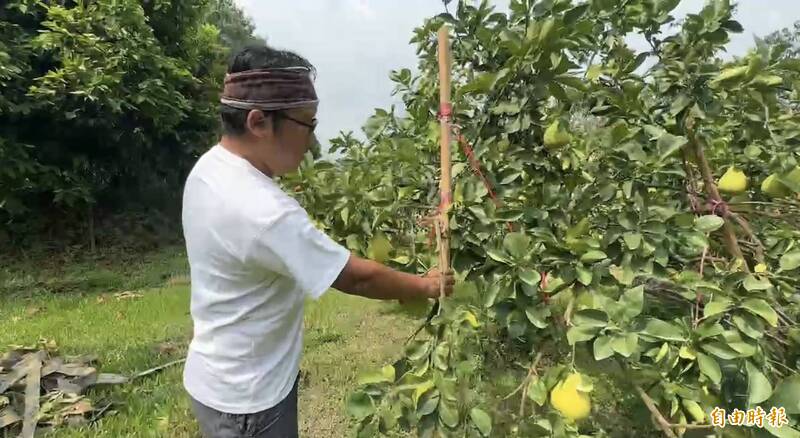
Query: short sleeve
{"type": "Point", "coordinates": [292, 246]}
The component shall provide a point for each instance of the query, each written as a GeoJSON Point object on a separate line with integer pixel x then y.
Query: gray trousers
{"type": "Point", "coordinates": [279, 421]}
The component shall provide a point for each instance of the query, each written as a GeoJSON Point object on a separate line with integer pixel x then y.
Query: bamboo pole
{"type": "Point", "coordinates": [445, 190]}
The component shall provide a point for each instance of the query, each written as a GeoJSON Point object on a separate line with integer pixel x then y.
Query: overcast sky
{"type": "Point", "coordinates": [354, 44]}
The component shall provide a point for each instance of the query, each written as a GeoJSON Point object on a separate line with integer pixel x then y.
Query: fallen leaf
{"type": "Point", "coordinates": [82, 407]}
{"type": "Point", "coordinates": [127, 295]}
{"type": "Point", "coordinates": [8, 417]}
{"type": "Point", "coordinates": [110, 379]}
{"type": "Point", "coordinates": [49, 344]}
{"type": "Point", "coordinates": [166, 348]}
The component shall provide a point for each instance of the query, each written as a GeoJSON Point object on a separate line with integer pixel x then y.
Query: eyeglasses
{"type": "Point", "coordinates": [311, 126]}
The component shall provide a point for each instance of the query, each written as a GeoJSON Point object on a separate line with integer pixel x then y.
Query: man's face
{"type": "Point", "coordinates": [285, 137]}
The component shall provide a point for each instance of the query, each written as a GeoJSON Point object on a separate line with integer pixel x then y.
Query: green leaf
{"type": "Point", "coordinates": [790, 261]}
{"type": "Point", "coordinates": [529, 276]}
{"type": "Point", "coordinates": [584, 275]}
{"type": "Point", "coordinates": [509, 108]}
{"type": "Point", "coordinates": [491, 294]}
{"type": "Point", "coordinates": [708, 223]}
{"type": "Point", "coordinates": [743, 348]}
{"type": "Point", "coordinates": [694, 409]}
{"type": "Point", "coordinates": [749, 325]}
{"type": "Point", "coordinates": [759, 387]}
{"type": "Point", "coordinates": [593, 72]}
{"type": "Point", "coordinates": [448, 413]}
{"type": "Point", "coordinates": [632, 240]}
{"type": "Point", "coordinates": [761, 308]}
{"type": "Point", "coordinates": [602, 348]}
{"type": "Point", "coordinates": [669, 144]}
{"type": "Point", "coordinates": [625, 345]}
{"type": "Point", "coordinates": [430, 401]}
{"type": "Point", "coordinates": [375, 125]}
{"type": "Point", "coordinates": [752, 282]}
{"type": "Point", "coordinates": [663, 330]}
{"type": "Point", "coordinates": [417, 349]}
{"type": "Point", "coordinates": [537, 315]}
{"type": "Point", "coordinates": [679, 104]}
{"type": "Point", "coordinates": [787, 394]}
{"type": "Point", "coordinates": [730, 74]}
{"type": "Point", "coordinates": [593, 256]}
{"type": "Point", "coordinates": [709, 367]}
{"type": "Point", "coordinates": [722, 351]}
{"type": "Point", "coordinates": [420, 390]}
{"type": "Point", "coordinates": [715, 307]}
{"type": "Point", "coordinates": [517, 244]}
{"type": "Point", "coordinates": [580, 334]}
{"type": "Point", "coordinates": [590, 318]}
{"type": "Point", "coordinates": [623, 274]}
{"type": "Point", "coordinates": [709, 329]}
{"type": "Point", "coordinates": [440, 356]}
{"type": "Point", "coordinates": [571, 16]}
{"type": "Point", "coordinates": [662, 352]}
{"type": "Point", "coordinates": [687, 353]}
{"type": "Point", "coordinates": [368, 430]}
{"type": "Point", "coordinates": [632, 302]}
{"type": "Point", "coordinates": [379, 248]}
{"type": "Point", "coordinates": [386, 374]}
{"type": "Point", "coordinates": [537, 391]}
{"type": "Point", "coordinates": [782, 432]}
{"type": "Point", "coordinates": [516, 324]}
{"type": "Point", "coordinates": [571, 81]}
{"type": "Point", "coordinates": [497, 256]}
{"type": "Point", "coordinates": [360, 406]}
{"type": "Point", "coordinates": [481, 420]}
{"type": "Point", "coordinates": [547, 28]}
{"type": "Point", "coordinates": [483, 83]}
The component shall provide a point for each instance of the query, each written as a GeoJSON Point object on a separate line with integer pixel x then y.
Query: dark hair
{"type": "Point", "coordinates": [254, 57]}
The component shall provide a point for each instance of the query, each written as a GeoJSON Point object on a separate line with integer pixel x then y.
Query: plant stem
{"type": "Point", "coordinates": [526, 383]}
{"type": "Point", "coordinates": [663, 424]}
{"type": "Point", "coordinates": [713, 193]}
{"type": "Point", "coordinates": [749, 231]}
{"type": "Point", "coordinates": [691, 426]}
{"type": "Point", "coordinates": [699, 294]}
{"type": "Point", "coordinates": [531, 371]}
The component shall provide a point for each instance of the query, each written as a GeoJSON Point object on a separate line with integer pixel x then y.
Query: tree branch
{"type": "Point", "coordinates": [749, 231]}
{"type": "Point", "coordinates": [713, 193]}
{"type": "Point", "coordinates": [663, 424]}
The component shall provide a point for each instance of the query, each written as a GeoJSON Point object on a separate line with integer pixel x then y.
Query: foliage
{"type": "Point", "coordinates": [105, 103]}
{"type": "Point", "coordinates": [623, 254]}
{"type": "Point", "coordinates": [790, 37]}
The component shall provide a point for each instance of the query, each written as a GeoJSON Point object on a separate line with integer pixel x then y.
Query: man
{"type": "Point", "coordinates": [255, 255]}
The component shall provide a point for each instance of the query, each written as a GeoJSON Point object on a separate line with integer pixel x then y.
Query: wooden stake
{"type": "Point", "coordinates": [445, 190]}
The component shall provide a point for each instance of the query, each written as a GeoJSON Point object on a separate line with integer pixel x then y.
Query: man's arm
{"type": "Point", "coordinates": [373, 280]}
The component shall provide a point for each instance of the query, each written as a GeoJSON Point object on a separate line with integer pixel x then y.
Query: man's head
{"type": "Point", "coordinates": [269, 108]}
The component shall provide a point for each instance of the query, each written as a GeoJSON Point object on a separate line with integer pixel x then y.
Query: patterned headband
{"type": "Point", "coordinates": [269, 89]}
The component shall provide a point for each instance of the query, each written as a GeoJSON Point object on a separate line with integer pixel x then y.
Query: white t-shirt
{"type": "Point", "coordinates": [254, 257]}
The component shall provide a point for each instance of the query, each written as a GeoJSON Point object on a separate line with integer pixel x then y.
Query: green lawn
{"type": "Point", "coordinates": [75, 306]}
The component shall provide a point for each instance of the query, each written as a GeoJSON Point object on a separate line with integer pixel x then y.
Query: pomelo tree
{"type": "Point", "coordinates": [604, 243]}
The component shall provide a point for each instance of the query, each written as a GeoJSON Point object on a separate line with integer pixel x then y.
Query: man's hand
{"type": "Point", "coordinates": [374, 280]}
{"type": "Point", "coordinates": [434, 280]}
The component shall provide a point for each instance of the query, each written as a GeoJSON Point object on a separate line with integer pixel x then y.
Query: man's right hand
{"type": "Point", "coordinates": [434, 280]}
{"type": "Point", "coordinates": [374, 280]}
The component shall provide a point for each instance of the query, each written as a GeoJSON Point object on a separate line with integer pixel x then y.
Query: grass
{"type": "Point", "coordinates": [66, 303]}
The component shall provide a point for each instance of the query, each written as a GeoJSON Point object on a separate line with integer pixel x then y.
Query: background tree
{"type": "Point", "coordinates": [105, 105]}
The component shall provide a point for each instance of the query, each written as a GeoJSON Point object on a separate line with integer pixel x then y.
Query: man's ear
{"type": "Point", "coordinates": [258, 123]}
